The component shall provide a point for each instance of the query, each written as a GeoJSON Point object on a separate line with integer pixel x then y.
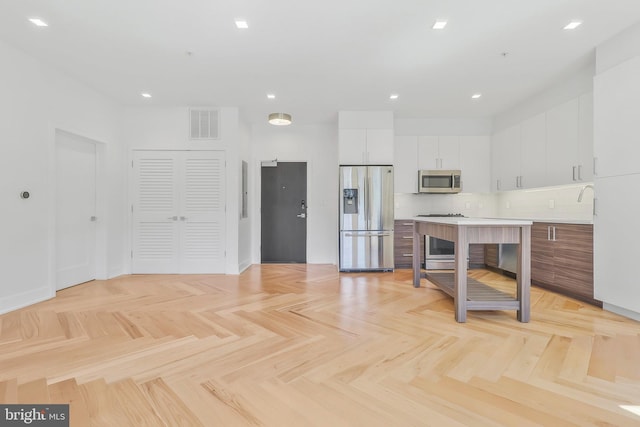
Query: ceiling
{"type": "Point", "coordinates": [318, 57]}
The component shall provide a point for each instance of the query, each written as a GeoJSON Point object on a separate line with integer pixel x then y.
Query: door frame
{"type": "Point", "coordinates": [257, 217]}
{"type": "Point", "coordinates": [101, 205]}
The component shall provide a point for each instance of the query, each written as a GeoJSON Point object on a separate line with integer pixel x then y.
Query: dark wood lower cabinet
{"type": "Point", "coordinates": [562, 259]}
{"type": "Point", "coordinates": [403, 244]}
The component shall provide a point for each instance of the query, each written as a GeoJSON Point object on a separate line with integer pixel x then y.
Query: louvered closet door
{"type": "Point", "coordinates": [178, 212]}
{"type": "Point", "coordinates": [155, 212]}
{"type": "Point", "coordinates": [202, 213]}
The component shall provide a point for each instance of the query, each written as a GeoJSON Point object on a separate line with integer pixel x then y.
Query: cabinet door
{"type": "Point", "coordinates": [475, 161]}
{"type": "Point", "coordinates": [533, 151]}
{"type": "Point", "coordinates": [573, 270]}
{"type": "Point", "coordinates": [379, 147]}
{"type": "Point", "coordinates": [542, 254]}
{"type": "Point", "coordinates": [616, 253]}
{"type": "Point", "coordinates": [428, 155]}
{"type": "Point", "coordinates": [352, 144]}
{"type": "Point", "coordinates": [405, 162]}
{"type": "Point", "coordinates": [585, 138]}
{"type": "Point", "coordinates": [562, 143]}
{"type": "Point", "coordinates": [505, 156]}
{"type": "Point", "coordinates": [449, 152]}
{"type": "Point", "coordinates": [616, 112]}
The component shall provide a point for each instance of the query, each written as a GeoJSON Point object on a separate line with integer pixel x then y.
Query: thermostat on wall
{"type": "Point", "coordinates": [24, 195]}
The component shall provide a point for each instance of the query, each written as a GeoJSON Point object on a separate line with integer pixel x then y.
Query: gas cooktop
{"type": "Point", "coordinates": [444, 215]}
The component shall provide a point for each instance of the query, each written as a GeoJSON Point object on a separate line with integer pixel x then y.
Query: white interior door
{"type": "Point", "coordinates": [75, 210]}
{"type": "Point", "coordinates": [202, 213]}
{"type": "Point", "coordinates": [155, 212]}
{"type": "Point", "coordinates": [178, 212]}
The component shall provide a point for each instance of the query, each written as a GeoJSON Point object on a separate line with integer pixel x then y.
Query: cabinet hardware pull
{"type": "Point", "coordinates": [408, 237]}
{"type": "Point", "coordinates": [554, 233]}
{"type": "Point", "coordinates": [579, 172]}
{"type": "Point", "coordinates": [548, 232]}
{"type": "Point", "coordinates": [574, 173]}
{"type": "Point", "coordinates": [407, 255]}
{"type": "Point", "coordinates": [407, 223]}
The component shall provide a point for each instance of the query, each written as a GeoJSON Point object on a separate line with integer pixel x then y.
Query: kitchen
{"type": "Point", "coordinates": [492, 152]}
{"type": "Point", "coordinates": [520, 146]}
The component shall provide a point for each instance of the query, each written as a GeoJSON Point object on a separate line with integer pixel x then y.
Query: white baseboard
{"type": "Point", "coordinates": [24, 299]}
{"type": "Point", "coordinates": [244, 265]}
{"type": "Point", "coordinates": [621, 311]}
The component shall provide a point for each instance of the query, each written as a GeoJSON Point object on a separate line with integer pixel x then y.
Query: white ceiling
{"type": "Point", "coordinates": [318, 57]}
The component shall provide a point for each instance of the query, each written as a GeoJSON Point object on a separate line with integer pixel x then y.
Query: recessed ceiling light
{"type": "Point", "coordinates": [271, 96]}
{"type": "Point", "coordinates": [572, 25]}
{"type": "Point", "coordinates": [38, 22]}
{"type": "Point", "coordinates": [241, 23]}
{"type": "Point", "coordinates": [476, 95]}
{"type": "Point", "coordinates": [439, 25]}
{"type": "Point", "coordinates": [146, 95]}
{"type": "Point", "coordinates": [393, 96]}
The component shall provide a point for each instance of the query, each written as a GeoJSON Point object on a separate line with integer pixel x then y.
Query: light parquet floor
{"type": "Point", "coordinates": [302, 345]}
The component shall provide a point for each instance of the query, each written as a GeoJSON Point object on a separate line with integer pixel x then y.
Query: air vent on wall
{"type": "Point", "coordinates": [203, 123]}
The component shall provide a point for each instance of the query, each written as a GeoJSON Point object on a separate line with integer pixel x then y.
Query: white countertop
{"type": "Point", "coordinates": [545, 220]}
{"type": "Point", "coordinates": [472, 221]}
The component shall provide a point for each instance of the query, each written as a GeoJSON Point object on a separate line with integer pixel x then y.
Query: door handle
{"type": "Point", "coordinates": [93, 218]}
{"type": "Point", "coordinates": [183, 218]}
{"type": "Point", "coordinates": [302, 215]}
{"type": "Point", "coordinates": [173, 218]}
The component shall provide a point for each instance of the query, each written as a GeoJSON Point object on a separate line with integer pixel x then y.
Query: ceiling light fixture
{"type": "Point", "coordinates": [146, 95]}
{"type": "Point", "coordinates": [476, 95]}
{"type": "Point", "coordinates": [572, 25]}
{"type": "Point", "coordinates": [439, 25]}
{"type": "Point", "coordinates": [38, 22]}
{"type": "Point", "coordinates": [271, 96]}
{"type": "Point", "coordinates": [242, 24]}
{"type": "Point", "coordinates": [280, 119]}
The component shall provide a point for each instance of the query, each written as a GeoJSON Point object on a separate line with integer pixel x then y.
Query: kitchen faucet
{"type": "Point", "coordinates": [582, 192]}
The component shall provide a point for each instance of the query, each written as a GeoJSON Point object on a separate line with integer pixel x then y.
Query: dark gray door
{"type": "Point", "coordinates": [284, 213]}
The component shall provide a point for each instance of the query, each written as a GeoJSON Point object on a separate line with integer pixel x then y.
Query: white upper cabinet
{"type": "Point", "coordinates": [365, 146]}
{"type": "Point", "coordinates": [405, 162]}
{"type": "Point", "coordinates": [505, 159]}
{"type": "Point", "coordinates": [475, 160]}
{"type": "Point", "coordinates": [379, 147]}
{"type": "Point", "coordinates": [562, 142]}
{"type": "Point", "coordinates": [365, 137]}
{"type": "Point", "coordinates": [439, 152]}
{"type": "Point", "coordinates": [617, 123]}
{"type": "Point", "coordinates": [533, 152]}
{"type": "Point", "coordinates": [585, 138]}
{"type": "Point", "coordinates": [551, 148]}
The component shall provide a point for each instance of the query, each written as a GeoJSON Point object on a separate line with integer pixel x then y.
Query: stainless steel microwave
{"type": "Point", "coordinates": [439, 181]}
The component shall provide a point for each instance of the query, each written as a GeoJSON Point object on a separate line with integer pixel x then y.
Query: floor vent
{"type": "Point", "coordinates": [203, 123]}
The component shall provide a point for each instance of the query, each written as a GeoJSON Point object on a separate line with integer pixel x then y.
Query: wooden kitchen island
{"type": "Point", "coordinates": [467, 293]}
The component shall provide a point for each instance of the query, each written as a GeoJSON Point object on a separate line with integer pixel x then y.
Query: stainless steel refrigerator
{"type": "Point", "coordinates": [366, 218]}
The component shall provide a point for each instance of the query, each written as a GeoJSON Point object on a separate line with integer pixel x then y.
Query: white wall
{"type": "Point", "coordinates": [565, 90]}
{"type": "Point", "coordinates": [317, 145]}
{"type": "Point", "coordinates": [166, 128]}
{"type": "Point", "coordinates": [36, 100]}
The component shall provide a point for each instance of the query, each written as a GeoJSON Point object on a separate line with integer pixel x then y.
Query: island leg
{"type": "Point", "coordinates": [524, 274]}
{"type": "Point", "coordinates": [460, 290]}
